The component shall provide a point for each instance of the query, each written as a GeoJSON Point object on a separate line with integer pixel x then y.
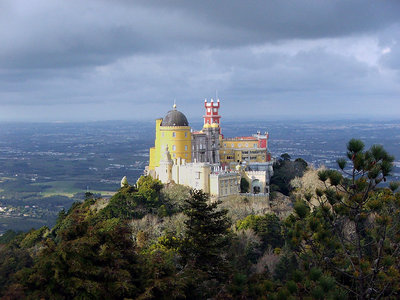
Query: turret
{"type": "Point", "coordinates": [212, 117]}
{"type": "Point", "coordinates": [166, 166]}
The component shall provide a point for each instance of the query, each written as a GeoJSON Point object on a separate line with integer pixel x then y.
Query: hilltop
{"type": "Point", "coordinates": [149, 241]}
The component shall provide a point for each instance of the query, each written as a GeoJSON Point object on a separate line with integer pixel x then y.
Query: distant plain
{"type": "Point", "coordinates": [45, 167]}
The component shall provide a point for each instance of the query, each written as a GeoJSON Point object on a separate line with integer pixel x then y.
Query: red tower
{"type": "Point", "coordinates": [211, 115]}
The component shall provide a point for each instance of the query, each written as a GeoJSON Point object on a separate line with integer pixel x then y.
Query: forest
{"type": "Point", "coordinates": [339, 239]}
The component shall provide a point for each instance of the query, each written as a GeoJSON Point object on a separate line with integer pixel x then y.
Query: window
{"type": "Point", "coordinates": [174, 134]}
{"type": "Point", "coordinates": [173, 155]}
{"type": "Point", "coordinates": [215, 110]}
{"type": "Point", "coordinates": [173, 147]}
{"type": "Point", "coordinates": [240, 145]}
{"type": "Point", "coordinates": [197, 175]}
{"type": "Point", "coordinates": [232, 145]}
{"type": "Point", "coordinates": [162, 134]}
{"type": "Point", "coordinates": [185, 154]}
{"type": "Point", "coordinates": [224, 145]}
{"type": "Point", "coordinates": [186, 147]}
{"type": "Point", "coordinates": [254, 145]}
{"type": "Point", "coordinates": [247, 145]}
{"type": "Point", "coordinates": [208, 109]}
{"type": "Point", "coordinates": [185, 134]}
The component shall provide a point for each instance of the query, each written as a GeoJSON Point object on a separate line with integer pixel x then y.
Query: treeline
{"type": "Point", "coordinates": [342, 241]}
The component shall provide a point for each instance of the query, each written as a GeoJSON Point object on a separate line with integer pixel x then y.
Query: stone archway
{"type": "Point", "coordinates": [256, 186]}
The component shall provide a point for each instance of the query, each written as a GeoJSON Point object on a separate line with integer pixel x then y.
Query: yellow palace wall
{"type": "Point", "coordinates": [238, 150]}
{"type": "Point", "coordinates": [178, 139]}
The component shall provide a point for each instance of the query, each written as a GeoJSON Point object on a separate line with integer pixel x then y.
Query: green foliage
{"type": "Point", "coordinates": [286, 265]}
{"type": "Point", "coordinates": [149, 188]}
{"type": "Point", "coordinates": [123, 204]}
{"type": "Point", "coordinates": [244, 185]}
{"type": "Point", "coordinates": [267, 227]}
{"type": "Point", "coordinates": [354, 146]}
{"type": "Point", "coordinates": [206, 235]}
{"type": "Point", "coordinates": [344, 247]}
{"type": "Point", "coordinates": [34, 236]}
{"type": "Point", "coordinates": [173, 196]}
{"type": "Point", "coordinates": [302, 162]}
{"type": "Point", "coordinates": [130, 202]}
{"type": "Point", "coordinates": [163, 283]}
{"type": "Point", "coordinates": [352, 234]}
{"type": "Point", "coordinates": [13, 258]}
{"type": "Point", "coordinates": [284, 171]}
{"type": "Point", "coordinates": [91, 258]}
{"type": "Point", "coordinates": [394, 185]}
{"type": "Point", "coordinates": [8, 236]}
{"type": "Point", "coordinates": [315, 273]}
{"type": "Point", "coordinates": [291, 287]}
{"type": "Point", "coordinates": [301, 208]}
{"type": "Point", "coordinates": [342, 163]}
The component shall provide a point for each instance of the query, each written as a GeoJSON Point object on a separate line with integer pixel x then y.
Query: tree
{"type": "Point", "coordinates": [205, 236]}
{"type": "Point", "coordinates": [267, 227]}
{"type": "Point", "coordinates": [150, 189]}
{"type": "Point", "coordinates": [353, 233]}
{"type": "Point", "coordinates": [244, 185]}
{"type": "Point", "coordinates": [284, 171]}
{"type": "Point", "coordinates": [286, 157]}
{"type": "Point", "coordinates": [91, 258]}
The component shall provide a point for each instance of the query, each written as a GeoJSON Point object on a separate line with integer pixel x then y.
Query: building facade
{"type": "Point", "coordinates": [173, 132]}
{"type": "Point", "coordinates": [205, 159]}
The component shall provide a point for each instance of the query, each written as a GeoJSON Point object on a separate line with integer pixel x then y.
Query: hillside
{"type": "Point", "coordinates": [151, 241]}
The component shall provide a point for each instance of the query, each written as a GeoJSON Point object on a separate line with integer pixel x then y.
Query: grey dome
{"type": "Point", "coordinates": [175, 118]}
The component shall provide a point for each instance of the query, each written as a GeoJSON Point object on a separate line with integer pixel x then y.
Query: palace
{"type": "Point", "coordinates": [207, 160]}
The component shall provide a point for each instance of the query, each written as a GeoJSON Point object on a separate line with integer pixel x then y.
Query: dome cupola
{"type": "Point", "coordinates": [175, 118]}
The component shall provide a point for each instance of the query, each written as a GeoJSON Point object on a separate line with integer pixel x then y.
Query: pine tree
{"type": "Point", "coordinates": [353, 233]}
{"type": "Point", "coordinates": [206, 235]}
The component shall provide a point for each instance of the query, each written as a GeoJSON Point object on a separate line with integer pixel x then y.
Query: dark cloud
{"type": "Point", "coordinates": [43, 34]}
{"type": "Point", "coordinates": [112, 57]}
{"type": "Point", "coordinates": [264, 21]}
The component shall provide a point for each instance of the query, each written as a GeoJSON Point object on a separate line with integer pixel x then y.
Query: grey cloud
{"type": "Point", "coordinates": [65, 34]}
{"type": "Point", "coordinates": [130, 59]}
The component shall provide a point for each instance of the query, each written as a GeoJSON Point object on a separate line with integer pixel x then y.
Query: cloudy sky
{"type": "Point", "coordinates": [124, 60]}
